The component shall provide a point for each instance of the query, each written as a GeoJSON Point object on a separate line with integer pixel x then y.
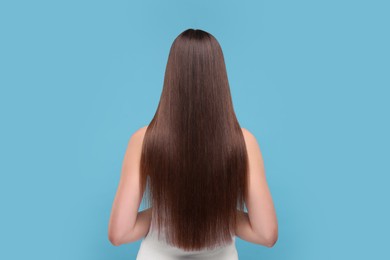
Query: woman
{"type": "Point", "coordinates": [198, 166]}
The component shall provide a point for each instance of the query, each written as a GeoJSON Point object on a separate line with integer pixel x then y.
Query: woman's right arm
{"type": "Point", "coordinates": [260, 224]}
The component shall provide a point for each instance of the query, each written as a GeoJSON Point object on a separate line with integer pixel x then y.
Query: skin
{"type": "Point", "coordinates": [259, 225]}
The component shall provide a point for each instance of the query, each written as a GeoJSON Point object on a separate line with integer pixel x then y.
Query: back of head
{"type": "Point", "coordinates": [194, 159]}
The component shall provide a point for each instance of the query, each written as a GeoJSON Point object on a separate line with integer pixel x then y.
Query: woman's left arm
{"type": "Point", "coordinates": [141, 227]}
{"type": "Point", "coordinates": [126, 223]}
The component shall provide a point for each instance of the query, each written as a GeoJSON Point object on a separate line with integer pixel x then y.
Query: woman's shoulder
{"type": "Point", "coordinates": [139, 133]}
{"type": "Point", "coordinates": [142, 130]}
{"type": "Point", "coordinates": [249, 137]}
{"type": "Point", "coordinates": [136, 139]}
{"type": "Point", "coordinates": [252, 145]}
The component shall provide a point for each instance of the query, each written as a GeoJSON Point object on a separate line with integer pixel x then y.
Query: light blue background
{"type": "Point", "coordinates": [310, 79]}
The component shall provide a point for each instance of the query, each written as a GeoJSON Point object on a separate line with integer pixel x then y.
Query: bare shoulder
{"type": "Point", "coordinates": [250, 139]}
{"type": "Point", "coordinates": [245, 131]}
{"type": "Point", "coordinates": [136, 139]}
{"type": "Point", "coordinates": [142, 130]}
{"type": "Point", "coordinates": [253, 147]}
{"type": "Point", "coordinates": [139, 134]}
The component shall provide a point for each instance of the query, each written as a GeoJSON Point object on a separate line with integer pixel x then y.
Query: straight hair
{"type": "Point", "coordinates": [194, 160]}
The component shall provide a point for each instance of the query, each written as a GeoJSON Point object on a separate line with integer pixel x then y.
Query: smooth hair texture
{"type": "Point", "coordinates": [194, 160]}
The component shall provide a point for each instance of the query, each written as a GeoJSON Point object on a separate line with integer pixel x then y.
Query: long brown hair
{"type": "Point", "coordinates": [194, 159]}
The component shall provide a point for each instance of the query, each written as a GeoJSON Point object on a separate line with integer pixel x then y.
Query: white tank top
{"type": "Point", "coordinates": [152, 248]}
